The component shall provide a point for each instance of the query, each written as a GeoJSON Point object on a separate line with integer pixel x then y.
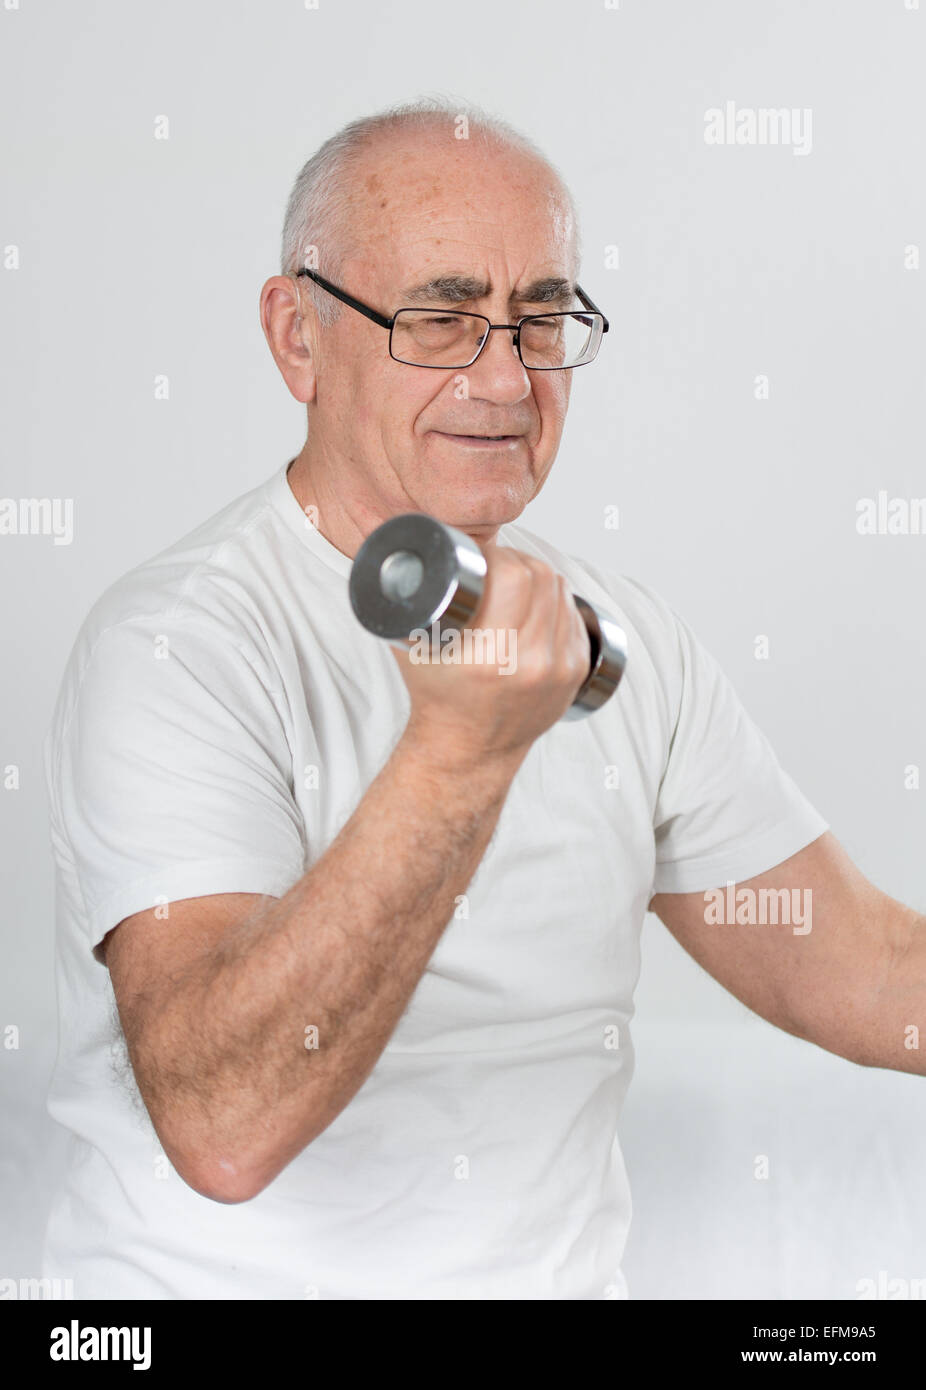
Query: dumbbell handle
{"type": "Point", "coordinates": [414, 571]}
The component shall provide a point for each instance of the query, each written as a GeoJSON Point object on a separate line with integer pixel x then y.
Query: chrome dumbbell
{"type": "Point", "coordinates": [414, 571]}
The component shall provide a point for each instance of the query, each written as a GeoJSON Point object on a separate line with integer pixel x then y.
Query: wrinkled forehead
{"type": "Point", "coordinates": [429, 202]}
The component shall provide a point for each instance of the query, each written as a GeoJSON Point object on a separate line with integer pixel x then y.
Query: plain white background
{"type": "Point", "coordinates": [139, 257]}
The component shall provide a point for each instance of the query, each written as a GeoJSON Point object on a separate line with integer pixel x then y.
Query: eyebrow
{"type": "Point", "coordinates": [459, 289]}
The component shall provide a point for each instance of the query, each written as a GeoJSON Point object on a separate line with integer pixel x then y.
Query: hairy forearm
{"type": "Point", "coordinates": [259, 1044]}
{"type": "Point", "coordinates": [896, 1035]}
{"type": "Point", "coordinates": [871, 1001]}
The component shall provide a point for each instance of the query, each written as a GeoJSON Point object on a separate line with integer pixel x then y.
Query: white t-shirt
{"type": "Point", "coordinates": [221, 716]}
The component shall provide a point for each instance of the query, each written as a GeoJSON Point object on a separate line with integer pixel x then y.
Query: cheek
{"type": "Point", "coordinates": [368, 396]}
{"type": "Point", "coordinates": [412, 401]}
{"type": "Point", "coordinates": [552, 401]}
{"type": "Point", "coordinates": [351, 376]}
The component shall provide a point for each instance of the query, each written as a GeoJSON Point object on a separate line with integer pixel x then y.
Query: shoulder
{"type": "Point", "coordinates": [203, 579]}
{"type": "Point", "coordinates": [203, 588]}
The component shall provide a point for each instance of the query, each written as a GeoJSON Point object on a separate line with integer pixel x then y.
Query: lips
{"type": "Point", "coordinates": [481, 440]}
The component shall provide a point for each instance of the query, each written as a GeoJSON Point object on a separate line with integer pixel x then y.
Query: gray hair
{"type": "Point", "coordinates": [318, 211]}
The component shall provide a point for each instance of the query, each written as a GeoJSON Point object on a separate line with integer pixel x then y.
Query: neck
{"type": "Point", "coordinates": [346, 519]}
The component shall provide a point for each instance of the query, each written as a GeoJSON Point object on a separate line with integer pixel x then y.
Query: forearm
{"type": "Point", "coordinates": [235, 1075]}
{"type": "Point", "coordinates": [896, 1036]}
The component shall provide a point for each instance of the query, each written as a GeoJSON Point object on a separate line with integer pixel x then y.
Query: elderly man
{"type": "Point", "coordinates": [372, 927]}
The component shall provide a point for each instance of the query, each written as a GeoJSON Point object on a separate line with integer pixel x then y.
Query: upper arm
{"type": "Point", "coordinates": [816, 974]}
{"type": "Point", "coordinates": [172, 780]}
{"type": "Point", "coordinates": [725, 807]}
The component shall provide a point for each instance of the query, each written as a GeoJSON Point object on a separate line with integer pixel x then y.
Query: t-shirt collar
{"type": "Point", "coordinates": [285, 502]}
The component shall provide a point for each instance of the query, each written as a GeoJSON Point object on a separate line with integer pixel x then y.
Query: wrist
{"type": "Point", "coordinates": [445, 754]}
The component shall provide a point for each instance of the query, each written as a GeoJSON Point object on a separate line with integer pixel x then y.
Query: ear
{"type": "Point", "coordinates": [290, 326]}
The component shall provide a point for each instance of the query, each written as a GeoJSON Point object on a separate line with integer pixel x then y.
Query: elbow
{"type": "Point", "coordinates": [227, 1175]}
{"type": "Point", "coordinates": [226, 1186]}
{"type": "Point", "coordinates": [234, 1179]}
{"type": "Point", "coordinates": [212, 1169]}
{"type": "Point", "coordinates": [221, 1180]}
{"type": "Point", "coordinates": [221, 1158]}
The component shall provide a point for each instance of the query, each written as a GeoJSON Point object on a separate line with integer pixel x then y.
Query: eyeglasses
{"type": "Point", "coordinates": [452, 340]}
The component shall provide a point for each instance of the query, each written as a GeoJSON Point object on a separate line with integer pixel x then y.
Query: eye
{"type": "Point", "coordinates": [437, 323]}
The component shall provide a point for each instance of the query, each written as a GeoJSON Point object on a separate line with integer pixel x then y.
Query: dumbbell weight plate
{"type": "Point", "coordinates": [414, 571]}
{"type": "Point", "coordinates": [609, 657]}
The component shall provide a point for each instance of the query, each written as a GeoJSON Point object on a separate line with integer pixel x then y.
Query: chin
{"type": "Point", "coordinates": [479, 497]}
{"type": "Point", "coordinates": [485, 512]}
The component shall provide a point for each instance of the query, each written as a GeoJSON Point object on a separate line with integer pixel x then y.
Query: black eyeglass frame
{"type": "Point", "coordinates": [388, 323]}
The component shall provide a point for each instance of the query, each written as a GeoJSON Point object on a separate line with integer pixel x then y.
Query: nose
{"type": "Point", "coordinates": [498, 374]}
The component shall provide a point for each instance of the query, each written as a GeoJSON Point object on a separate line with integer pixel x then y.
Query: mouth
{"type": "Point", "coordinates": [481, 441]}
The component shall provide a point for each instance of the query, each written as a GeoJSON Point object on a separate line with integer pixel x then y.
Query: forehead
{"type": "Point", "coordinates": [430, 202]}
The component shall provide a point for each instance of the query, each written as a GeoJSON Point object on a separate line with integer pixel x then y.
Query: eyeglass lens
{"type": "Point", "coordinates": [424, 338]}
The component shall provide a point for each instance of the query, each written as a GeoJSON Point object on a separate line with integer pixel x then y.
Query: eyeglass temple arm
{"type": "Point", "coordinates": [388, 322]}
{"type": "Point", "coordinates": [346, 298]}
{"type": "Point", "coordinates": [588, 304]}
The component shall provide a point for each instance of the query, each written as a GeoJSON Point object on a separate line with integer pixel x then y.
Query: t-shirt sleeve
{"type": "Point", "coordinates": [726, 810]}
{"type": "Point", "coordinates": [171, 777]}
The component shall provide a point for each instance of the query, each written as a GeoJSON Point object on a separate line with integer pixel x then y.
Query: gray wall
{"type": "Point", "coordinates": [140, 256]}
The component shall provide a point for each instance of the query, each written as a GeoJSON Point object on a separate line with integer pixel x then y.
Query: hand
{"type": "Point", "coordinates": [516, 669]}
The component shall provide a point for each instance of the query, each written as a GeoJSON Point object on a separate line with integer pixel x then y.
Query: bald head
{"type": "Point", "coordinates": [430, 177]}
{"type": "Point", "coordinates": [341, 193]}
